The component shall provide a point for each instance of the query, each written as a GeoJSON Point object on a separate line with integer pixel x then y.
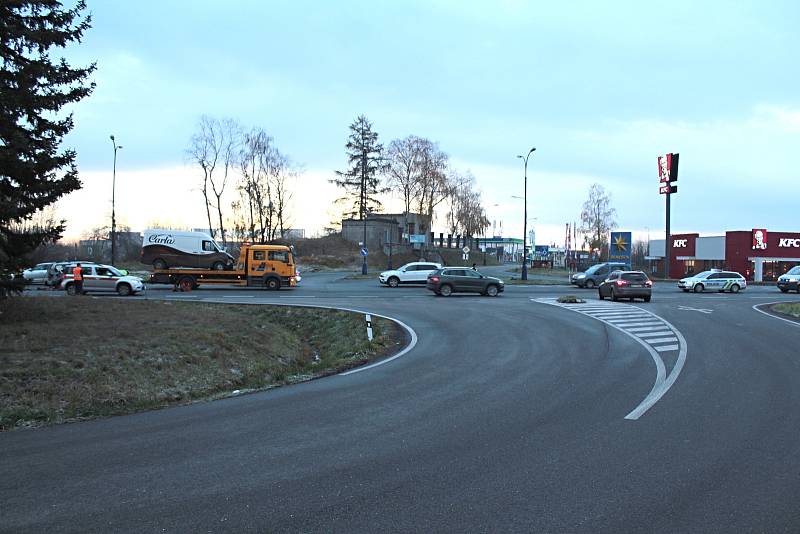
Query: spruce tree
{"type": "Point", "coordinates": [34, 87]}
{"type": "Point", "coordinates": [362, 181]}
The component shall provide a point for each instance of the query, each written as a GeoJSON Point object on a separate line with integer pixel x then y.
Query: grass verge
{"type": "Point", "coordinates": [64, 359]}
{"type": "Point", "coordinates": [787, 308]}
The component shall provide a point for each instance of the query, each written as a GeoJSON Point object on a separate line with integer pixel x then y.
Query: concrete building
{"type": "Point", "coordinates": [385, 228]}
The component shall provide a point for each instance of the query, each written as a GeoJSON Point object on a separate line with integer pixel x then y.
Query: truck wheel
{"type": "Point", "coordinates": [218, 266]}
{"type": "Point", "coordinates": [159, 264]}
{"type": "Point", "coordinates": [124, 290]}
{"type": "Point", "coordinates": [185, 284]}
{"type": "Point", "coordinates": [273, 284]}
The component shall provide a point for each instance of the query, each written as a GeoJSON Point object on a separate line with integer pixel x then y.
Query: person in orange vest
{"type": "Point", "coordinates": [77, 277]}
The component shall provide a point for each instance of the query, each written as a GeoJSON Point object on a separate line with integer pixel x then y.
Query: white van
{"type": "Point", "coordinates": [164, 249]}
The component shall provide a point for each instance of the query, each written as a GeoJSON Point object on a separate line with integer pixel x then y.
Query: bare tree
{"type": "Point", "coordinates": [597, 218]}
{"type": "Point", "coordinates": [465, 214]}
{"type": "Point", "coordinates": [405, 158]}
{"type": "Point", "coordinates": [435, 186]}
{"type": "Point", "coordinates": [214, 148]}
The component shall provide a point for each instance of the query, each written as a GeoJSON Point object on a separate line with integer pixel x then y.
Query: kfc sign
{"type": "Point", "coordinates": [759, 239]}
{"type": "Point", "coordinates": [680, 243]}
{"type": "Point", "coordinates": [668, 168]}
{"type": "Point", "coordinates": [786, 242]}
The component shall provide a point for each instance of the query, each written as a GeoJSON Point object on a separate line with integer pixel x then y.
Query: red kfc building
{"type": "Point", "coordinates": [759, 254]}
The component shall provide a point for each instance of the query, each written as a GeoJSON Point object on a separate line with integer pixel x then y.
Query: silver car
{"type": "Point", "coordinates": [102, 278]}
{"type": "Point", "coordinates": [36, 274]}
{"type": "Point", "coordinates": [790, 280]}
{"type": "Point", "coordinates": [714, 280]}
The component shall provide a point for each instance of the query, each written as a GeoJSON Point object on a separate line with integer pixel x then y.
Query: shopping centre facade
{"type": "Point", "coordinates": [759, 254]}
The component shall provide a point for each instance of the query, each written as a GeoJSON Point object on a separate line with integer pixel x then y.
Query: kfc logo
{"type": "Point", "coordinates": [680, 243]}
{"type": "Point", "coordinates": [786, 242]}
{"type": "Point", "coordinates": [668, 168]}
{"type": "Point", "coordinates": [759, 239]}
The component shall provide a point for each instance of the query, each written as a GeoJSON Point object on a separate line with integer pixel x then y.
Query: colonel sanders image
{"type": "Point", "coordinates": [663, 170]}
{"type": "Point", "coordinates": [759, 240]}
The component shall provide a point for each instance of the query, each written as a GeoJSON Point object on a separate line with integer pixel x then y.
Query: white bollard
{"type": "Point", "coordinates": [369, 327]}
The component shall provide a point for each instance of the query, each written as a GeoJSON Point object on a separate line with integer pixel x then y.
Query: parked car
{"type": "Point", "coordinates": [102, 278]}
{"type": "Point", "coordinates": [713, 280]}
{"type": "Point", "coordinates": [36, 274]}
{"type": "Point", "coordinates": [463, 280]}
{"type": "Point", "coordinates": [416, 272]}
{"type": "Point", "coordinates": [594, 275]}
{"type": "Point", "coordinates": [790, 280]}
{"type": "Point", "coordinates": [626, 285]}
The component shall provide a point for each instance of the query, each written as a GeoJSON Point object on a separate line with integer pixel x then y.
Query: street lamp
{"type": "Point", "coordinates": [525, 223]}
{"type": "Point", "coordinates": [113, 195]}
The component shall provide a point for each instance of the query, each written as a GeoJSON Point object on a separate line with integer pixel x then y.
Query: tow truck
{"type": "Point", "coordinates": [268, 266]}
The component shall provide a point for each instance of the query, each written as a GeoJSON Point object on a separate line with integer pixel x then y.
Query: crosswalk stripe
{"type": "Point", "coordinates": [646, 328]}
{"type": "Point", "coordinates": [619, 314]}
{"type": "Point", "coordinates": [670, 339]}
{"type": "Point", "coordinates": [635, 323]}
{"type": "Point", "coordinates": [665, 348]}
{"type": "Point", "coordinates": [657, 333]}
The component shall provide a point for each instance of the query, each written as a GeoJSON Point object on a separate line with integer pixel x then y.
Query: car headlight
{"type": "Point", "coordinates": [581, 276]}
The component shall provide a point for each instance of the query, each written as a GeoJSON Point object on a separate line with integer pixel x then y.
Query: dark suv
{"type": "Point", "coordinates": [463, 280]}
{"type": "Point", "coordinates": [626, 285]}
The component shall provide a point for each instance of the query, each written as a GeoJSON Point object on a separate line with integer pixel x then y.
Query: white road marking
{"type": "Point", "coordinates": [689, 308]}
{"type": "Point", "coordinates": [663, 382]}
{"type": "Point", "coordinates": [238, 296]}
{"type": "Point", "coordinates": [657, 333]}
{"type": "Point", "coordinates": [670, 339]}
{"type": "Point", "coordinates": [756, 306]}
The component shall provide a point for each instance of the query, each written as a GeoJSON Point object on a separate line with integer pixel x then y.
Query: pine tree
{"type": "Point", "coordinates": [33, 89]}
{"type": "Point", "coordinates": [362, 181]}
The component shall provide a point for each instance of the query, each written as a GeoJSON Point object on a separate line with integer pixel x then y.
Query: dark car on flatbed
{"type": "Point", "coordinates": [451, 280]}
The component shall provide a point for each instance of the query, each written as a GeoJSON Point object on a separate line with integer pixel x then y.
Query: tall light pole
{"type": "Point", "coordinates": [525, 223]}
{"type": "Point", "coordinates": [113, 198]}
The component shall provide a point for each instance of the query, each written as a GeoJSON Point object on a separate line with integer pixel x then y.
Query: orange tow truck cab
{"type": "Point", "coordinates": [268, 266]}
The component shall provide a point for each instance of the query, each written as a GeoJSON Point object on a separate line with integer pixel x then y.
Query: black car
{"type": "Point", "coordinates": [451, 280]}
{"type": "Point", "coordinates": [626, 285]}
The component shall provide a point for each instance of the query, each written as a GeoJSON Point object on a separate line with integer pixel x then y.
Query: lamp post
{"type": "Point", "coordinates": [113, 198]}
{"type": "Point", "coordinates": [525, 222]}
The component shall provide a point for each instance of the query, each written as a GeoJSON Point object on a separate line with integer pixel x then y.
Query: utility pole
{"type": "Point", "coordinates": [525, 222]}
{"type": "Point", "coordinates": [113, 198]}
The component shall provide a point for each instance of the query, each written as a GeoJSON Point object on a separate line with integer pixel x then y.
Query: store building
{"type": "Point", "coordinates": [758, 254]}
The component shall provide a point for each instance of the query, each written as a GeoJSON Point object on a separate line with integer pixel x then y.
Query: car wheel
{"type": "Point", "coordinates": [614, 296]}
{"type": "Point", "coordinates": [647, 299]}
{"type": "Point", "coordinates": [600, 295]}
{"type": "Point", "coordinates": [735, 288]}
{"type": "Point", "coordinates": [589, 284]}
{"type": "Point", "coordinates": [124, 290]}
{"type": "Point", "coordinates": [218, 266]}
{"type": "Point", "coordinates": [491, 291]}
{"type": "Point", "coordinates": [159, 264]}
{"type": "Point", "coordinates": [393, 281]}
{"type": "Point", "coordinates": [71, 290]}
{"type": "Point", "coordinates": [185, 284]}
{"type": "Point", "coordinates": [273, 284]}
{"type": "Point", "coordinates": [698, 288]}
{"type": "Point", "coordinates": [445, 290]}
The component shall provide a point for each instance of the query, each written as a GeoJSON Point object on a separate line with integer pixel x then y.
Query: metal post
{"type": "Point", "coordinates": [667, 240]}
{"type": "Point", "coordinates": [113, 201]}
{"type": "Point", "coordinates": [364, 263]}
{"type": "Point", "coordinates": [525, 222]}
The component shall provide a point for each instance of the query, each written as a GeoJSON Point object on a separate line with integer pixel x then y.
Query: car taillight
{"type": "Point", "coordinates": [434, 278]}
{"type": "Point", "coordinates": [649, 283]}
{"type": "Point", "coordinates": [622, 283]}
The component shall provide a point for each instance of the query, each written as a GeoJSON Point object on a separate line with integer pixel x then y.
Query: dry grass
{"type": "Point", "coordinates": [788, 308]}
{"type": "Point", "coordinates": [73, 358]}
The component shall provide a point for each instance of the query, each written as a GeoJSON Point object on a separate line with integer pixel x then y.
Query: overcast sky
{"type": "Point", "coordinates": [599, 88]}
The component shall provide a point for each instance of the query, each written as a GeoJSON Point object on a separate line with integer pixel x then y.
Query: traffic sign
{"type": "Point", "coordinates": [667, 189]}
{"type": "Point", "coordinates": [466, 250]}
{"type": "Point", "coordinates": [364, 251]}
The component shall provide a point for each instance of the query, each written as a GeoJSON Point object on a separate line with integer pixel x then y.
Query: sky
{"type": "Point", "coordinates": [601, 89]}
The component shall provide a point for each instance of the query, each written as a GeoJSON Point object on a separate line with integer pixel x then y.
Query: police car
{"type": "Point", "coordinates": [714, 280]}
{"type": "Point", "coordinates": [102, 278]}
{"type": "Point", "coordinates": [790, 280]}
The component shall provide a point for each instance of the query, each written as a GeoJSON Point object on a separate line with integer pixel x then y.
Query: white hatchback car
{"type": "Point", "coordinates": [411, 273]}
{"type": "Point", "coordinates": [36, 274]}
{"type": "Point", "coordinates": [103, 278]}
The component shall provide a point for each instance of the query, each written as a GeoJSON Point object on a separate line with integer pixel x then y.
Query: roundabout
{"type": "Point", "coordinates": [505, 414]}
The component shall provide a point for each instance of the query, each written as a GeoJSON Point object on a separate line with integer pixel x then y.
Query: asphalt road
{"type": "Point", "coordinates": [508, 415]}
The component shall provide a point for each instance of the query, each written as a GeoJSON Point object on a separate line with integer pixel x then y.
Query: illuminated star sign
{"type": "Point", "coordinates": [619, 243]}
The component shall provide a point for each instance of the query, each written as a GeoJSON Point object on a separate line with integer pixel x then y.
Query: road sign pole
{"type": "Point", "coordinates": [667, 242]}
